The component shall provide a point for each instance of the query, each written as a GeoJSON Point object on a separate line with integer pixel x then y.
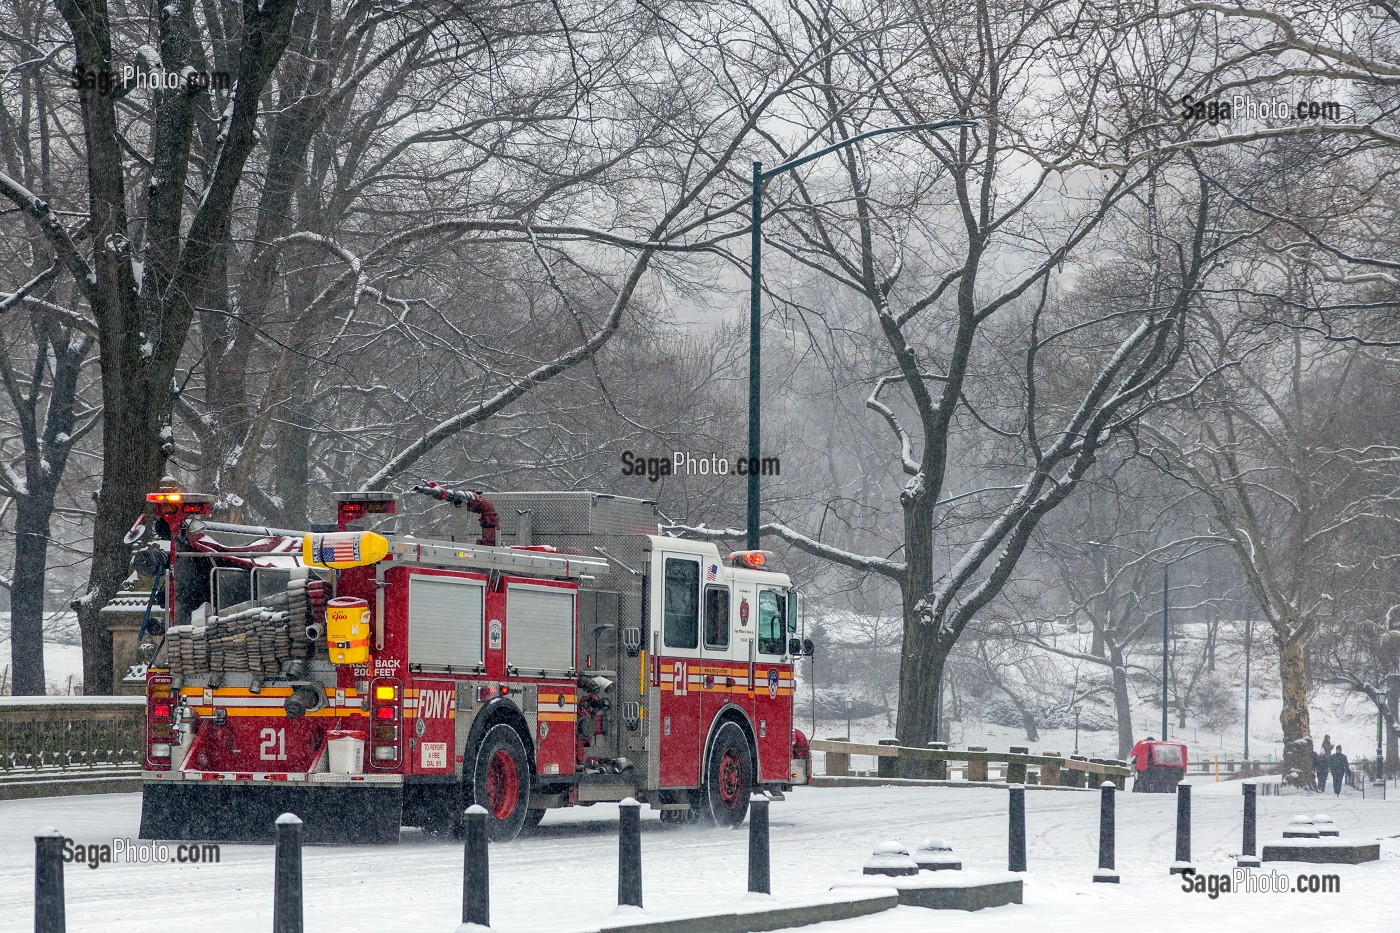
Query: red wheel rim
{"type": "Point", "coordinates": [731, 778]}
{"type": "Point", "coordinates": [502, 784]}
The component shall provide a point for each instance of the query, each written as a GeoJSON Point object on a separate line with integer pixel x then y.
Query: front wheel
{"type": "Point", "coordinates": [729, 777]}
{"type": "Point", "coordinates": [500, 782]}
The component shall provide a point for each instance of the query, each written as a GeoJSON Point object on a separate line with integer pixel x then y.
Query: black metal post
{"type": "Point", "coordinates": [1016, 830]}
{"type": "Point", "coordinates": [1248, 857]}
{"type": "Point", "coordinates": [755, 299]}
{"type": "Point", "coordinates": [758, 845]}
{"type": "Point", "coordinates": [48, 882]}
{"type": "Point", "coordinates": [1166, 663]}
{"type": "Point", "coordinates": [1183, 830]}
{"type": "Point", "coordinates": [476, 868]}
{"type": "Point", "coordinates": [1248, 633]}
{"type": "Point", "coordinates": [286, 894]}
{"type": "Point", "coordinates": [1076, 732]}
{"type": "Point", "coordinates": [1106, 873]}
{"type": "Point", "coordinates": [629, 854]}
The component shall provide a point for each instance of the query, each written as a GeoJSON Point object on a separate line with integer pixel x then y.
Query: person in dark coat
{"type": "Point", "coordinates": [1338, 763]}
{"type": "Point", "coordinates": [1321, 762]}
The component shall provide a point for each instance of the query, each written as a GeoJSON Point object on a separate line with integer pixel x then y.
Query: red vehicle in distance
{"type": "Point", "coordinates": [1158, 766]}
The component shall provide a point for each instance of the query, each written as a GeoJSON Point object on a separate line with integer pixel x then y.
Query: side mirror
{"type": "Point", "coordinates": [808, 648]}
{"type": "Point", "coordinates": [794, 646]}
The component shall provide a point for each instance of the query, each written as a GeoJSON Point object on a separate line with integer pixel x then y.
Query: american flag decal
{"type": "Point", "coordinates": [711, 573]}
{"type": "Point", "coordinates": [336, 549]}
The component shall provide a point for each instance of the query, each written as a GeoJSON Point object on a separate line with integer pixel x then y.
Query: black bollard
{"type": "Point", "coordinates": [48, 882]}
{"type": "Point", "coordinates": [1106, 873]}
{"type": "Point", "coordinates": [1183, 830]}
{"type": "Point", "coordinates": [758, 845]}
{"type": "Point", "coordinates": [1016, 830]}
{"type": "Point", "coordinates": [1248, 857]}
{"type": "Point", "coordinates": [629, 854]}
{"type": "Point", "coordinates": [476, 874]}
{"type": "Point", "coordinates": [286, 891]}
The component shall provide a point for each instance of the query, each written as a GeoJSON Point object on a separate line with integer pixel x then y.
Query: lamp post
{"type": "Point", "coordinates": [1248, 632]}
{"type": "Point", "coordinates": [1380, 739]}
{"type": "Point", "coordinates": [1166, 629]}
{"type": "Point", "coordinates": [849, 702]}
{"type": "Point", "coordinates": [1076, 730]}
{"type": "Point", "coordinates": [761, 176]}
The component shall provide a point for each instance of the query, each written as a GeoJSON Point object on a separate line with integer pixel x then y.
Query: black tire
{"type": "Point", "coordinates": [500, 782]}
{"type": "Point", "coordinates": [532, 818]}
{"type": "Point", "coordinates": [729, 777]}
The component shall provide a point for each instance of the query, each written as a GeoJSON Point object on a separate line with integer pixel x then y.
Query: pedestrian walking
{"type": "Point", "coordinates": [1327, 745]}
{"type": "Point", "coordinates": [1339, 769]}
{"type": "Point", "coordinates": [1321, 762]}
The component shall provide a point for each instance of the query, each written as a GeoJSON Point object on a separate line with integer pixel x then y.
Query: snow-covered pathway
{"type": "Point", "coordinates": [565, 876]}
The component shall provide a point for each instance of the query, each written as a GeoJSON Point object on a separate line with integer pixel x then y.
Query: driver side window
{"type": "Point", "coordinates": [772, 622]}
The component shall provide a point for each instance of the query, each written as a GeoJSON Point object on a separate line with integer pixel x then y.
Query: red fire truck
{"type": "Point", "coordinates": [366, 680]}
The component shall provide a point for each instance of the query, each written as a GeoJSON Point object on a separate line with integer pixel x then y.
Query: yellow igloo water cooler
{"type": "Point", "coordinates": [347, 630]}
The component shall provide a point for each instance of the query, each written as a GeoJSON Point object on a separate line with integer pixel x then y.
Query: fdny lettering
{"type": "Point", "coordinates": [434, 704]}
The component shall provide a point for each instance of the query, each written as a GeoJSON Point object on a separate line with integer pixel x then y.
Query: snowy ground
{"type": "Point", "coordinates": [564, 877]}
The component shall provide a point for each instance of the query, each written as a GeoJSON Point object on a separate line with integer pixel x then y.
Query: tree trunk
{"type": "Point", "coordinates": [32, 514]}
{"type": "Point", "coordinates": [1293, 717]}
{"type": "Point", "coordinates": [1392, 740]}
{"type": "Point", "coordinates": [920, 670]}
{"type": "Point", "coordinates": [133, 460]}
{"type": "Point", "coordinates": [1122, 702]}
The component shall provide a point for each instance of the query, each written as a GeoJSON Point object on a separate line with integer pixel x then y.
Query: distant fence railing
{"type": "Point", "coordinates": [61, 745]}
{"type": "Point", "coordinates": [975, 764]}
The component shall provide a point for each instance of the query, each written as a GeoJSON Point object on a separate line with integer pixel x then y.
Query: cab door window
{"type": "Point", "coordinates": [681, 614]}
{"type": "Point", "coordinates": [772, 622]}
{"type": "Point", "coordinates": [717, 617]}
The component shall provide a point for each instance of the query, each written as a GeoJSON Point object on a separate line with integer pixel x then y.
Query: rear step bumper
{"type": "Point", "coordinates": [239, 807]}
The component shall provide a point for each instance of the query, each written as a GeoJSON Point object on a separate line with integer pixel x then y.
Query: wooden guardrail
{"type": "Point", "coordinates": [65, 745]}
{"type": "Point", "coordinates": [1018, 765]}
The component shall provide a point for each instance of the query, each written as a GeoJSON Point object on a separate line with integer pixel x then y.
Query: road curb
{"type": "Point", "coordinates": [822, 780]}
{"type": "Point", "coordinates": [19, 786]}
{"type": "Point", "coordinates": [754, 916]}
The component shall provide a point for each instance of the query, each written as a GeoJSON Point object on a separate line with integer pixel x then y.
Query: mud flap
{"type": "Point", "coordinates": [367, 814]}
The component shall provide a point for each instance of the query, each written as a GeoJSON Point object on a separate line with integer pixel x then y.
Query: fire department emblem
{"type": "Point", "coordinates": [773, 682]}
{"type": "Point", "coordinates": [494, 634]}
{"type": "Point", "coordinates": [743, 612]}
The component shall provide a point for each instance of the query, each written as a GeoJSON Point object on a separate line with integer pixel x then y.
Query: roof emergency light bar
{"type": "Point", "coordinates": [755, 560]}
{"type": "Point", "coordinates": [172, 502]}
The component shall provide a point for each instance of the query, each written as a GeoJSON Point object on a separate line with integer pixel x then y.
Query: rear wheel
{"type": "Point", "coordinates": [501, 782]}
{"type": "Point", "coordinates": [728, 777]}
{"type": "Point", "coordinates": [532, 818]}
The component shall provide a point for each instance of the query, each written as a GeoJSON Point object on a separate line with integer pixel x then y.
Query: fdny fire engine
{"type": "Point", "coordinates": [557, 651]}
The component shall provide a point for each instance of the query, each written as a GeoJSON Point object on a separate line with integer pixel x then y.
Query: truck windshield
{"type": "Point", "coordinates": [1166, 755]}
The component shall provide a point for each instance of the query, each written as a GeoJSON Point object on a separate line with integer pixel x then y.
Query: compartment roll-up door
{"type": "Point", "coordinates": [444, 621]}
{"type": "Point", "coordinates": [540, 628]}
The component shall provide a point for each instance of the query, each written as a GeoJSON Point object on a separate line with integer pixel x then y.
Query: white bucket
{"type": "Point", "coordinates": [346, 751]}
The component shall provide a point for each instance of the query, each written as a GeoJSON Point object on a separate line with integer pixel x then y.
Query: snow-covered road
{"type": "Point", "coordinates": [564, 877]}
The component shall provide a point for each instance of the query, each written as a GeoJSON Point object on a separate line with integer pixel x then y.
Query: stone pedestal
{"type": "Point", "coordinates": [1050, 771]}
{"type": "Point", "coordinates": [888, 767]}
{"type": "Point", "coordinates": [976, 770]}
{"type": "Point", "coordinates": [1016, 773]}
{"type": "Point", "coordinates": [937, 770]}
{"type": "Point", "coordinates": [838, 764]}
{"type": "Point", "coordinates": [122, 618]}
